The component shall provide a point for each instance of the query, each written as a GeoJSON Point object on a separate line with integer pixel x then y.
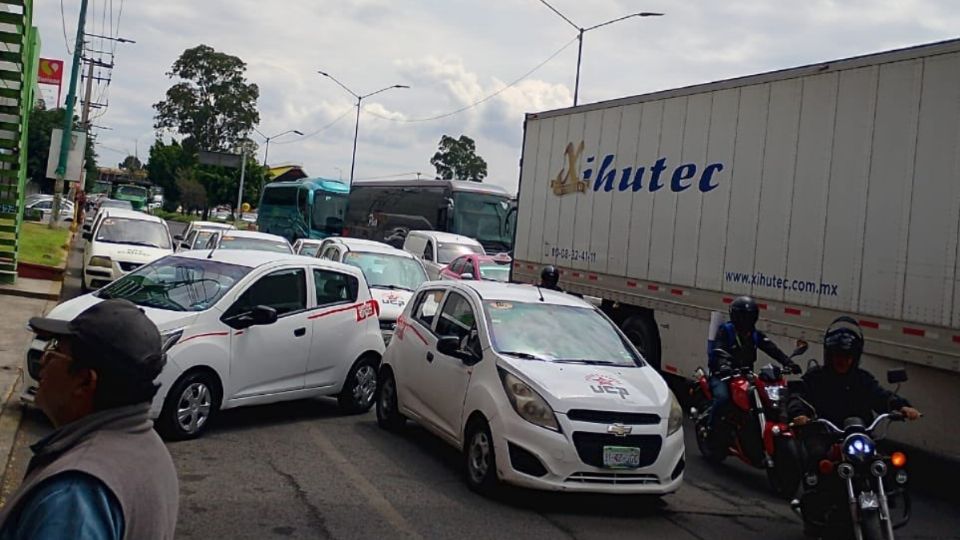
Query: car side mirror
{"type": "Point", "coordinates": [897, 376]}
{"type": "Point", "coordinates": [88, 235]}
{"type": "Point", "coordinates": [178, 237]}
{"type": "Point", "coordinates": [450, 346]}
{"type": "Point", "coordinates": [466, 275]}
{"type": "Point", "coordinates": [802, 347]}
{"type": "Point", "coordinates": [258, 316]}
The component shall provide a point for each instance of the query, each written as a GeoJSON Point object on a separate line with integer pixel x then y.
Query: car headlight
{"type": "Point", "coordinates": [675, 422]}
{"type": "Point", "coordinates": [858, 447]}
{"type": "Point", "coordinates": [169, 339]}
{"type": "Point", "coordinates": [100, 261]}
{"type": "Point", "coordinates": [528, 403]}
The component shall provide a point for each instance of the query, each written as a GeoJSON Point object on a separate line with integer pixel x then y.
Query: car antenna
{"type": "Point", "coordinates": [540, 292]}
{"type": "Point", "coordinates": [214, 248]}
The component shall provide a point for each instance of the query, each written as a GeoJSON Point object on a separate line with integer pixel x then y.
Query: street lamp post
{"type": "Point", "coordinates": [581, 30]}
{"type": "Point", "coordinates": [266, 150]}
{"type": "Point", "coordinates": [356, 129]}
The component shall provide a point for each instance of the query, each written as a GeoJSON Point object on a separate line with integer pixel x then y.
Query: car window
{"type": "Point", "coordinates": [133, 231]}
{"type": "Point", "coordinates": [428, 251]}
{"type": "Point", "coordinates": [188, 240]}
{"type": "Point", "coordinates": [283, 290]}
{"type": "Point", "coordinates": [334, 287]}
{"type": "Point", "coordinates": [330, 253]}
{"type": "Point", "coordinates": [427, 304]}
{"type": "Point", "coordinates": [447, 252]}
{"type": "Point", "coordinates": [457, 317]}
{"type": "Point", "coordinates": [309, 250]}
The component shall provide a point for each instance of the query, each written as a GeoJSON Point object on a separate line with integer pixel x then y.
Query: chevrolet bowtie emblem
{"type": "Point", "coordinates": [619, 430]}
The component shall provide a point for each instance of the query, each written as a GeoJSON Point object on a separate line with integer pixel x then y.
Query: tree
{"type": "Point", "coordinates": [192, 194]}
{"type": "Point", "coordinates": [131, 163]}
{"type": "Point", "coordinates": [165, 163]}
{"type": "Point", "coordinates": [457, 159]}
{"type": "Point", "coordinates": [213, 105]}
{"type": "Point", "coordinates": [42, 123]}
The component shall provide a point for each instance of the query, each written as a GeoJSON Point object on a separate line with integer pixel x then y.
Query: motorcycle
{"type": "Point", "coordinates": [755, 427]}
{"type": "Point", "coordinates": [854, 486]}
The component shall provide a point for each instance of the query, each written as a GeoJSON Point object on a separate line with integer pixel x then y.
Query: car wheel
{"type": "Point", "coordinates": [360, 389]}
{"type": "Point", "coordinates": [388, 410]}
{"type": "Point", "coordinates": [479, 459]}
{"type": "Point", "coordinates": [642, 332]}
{"type": "Point", "coordinates": [187, 410]}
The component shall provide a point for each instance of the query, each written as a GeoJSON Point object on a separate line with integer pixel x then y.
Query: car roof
{"type": "Point", "coordinates": [211, 225]}
{"type": "Point", "coordinates": [253, 234]}
{"type": "Point", "coordinates": [449, 238]}
{"type": "Point", "coordinates": [310, 241]}
{"type": "Point", "coordinates": [362, 245]}
{"type": "Point", "coordinates": [255, 259]}
{"type": "Point", "coordinates": [517, 292]}
{"type": "Point", "coordinates": [130, 214]}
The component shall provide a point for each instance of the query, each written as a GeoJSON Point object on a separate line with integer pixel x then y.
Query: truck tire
{"type": "Point", "coordinates": [642, 331]}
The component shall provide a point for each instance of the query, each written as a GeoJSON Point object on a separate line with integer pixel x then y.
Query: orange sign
{"type": "Point", "coordinates": [50, 71]}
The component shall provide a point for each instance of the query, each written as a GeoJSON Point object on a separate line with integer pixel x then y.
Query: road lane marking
{"type": "Point", "coordinates": [373, 495]}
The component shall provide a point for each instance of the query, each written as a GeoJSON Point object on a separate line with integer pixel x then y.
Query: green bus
{"type": "Point", "coordinates": [303, 208]}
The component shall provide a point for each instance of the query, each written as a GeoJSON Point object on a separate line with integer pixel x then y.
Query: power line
{"type": "Point", "coordinates": [478, 102]}
{"type": "Point", "coordinates": [63, 23]}
{"type": "Point", "coordinates": [319, 131]}
{"type": "Point", "coordinates": [386, 176]}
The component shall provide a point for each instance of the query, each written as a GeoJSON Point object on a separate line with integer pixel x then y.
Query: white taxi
{"type": "Point", "coordinates": [122, 241]}
{"type": "Point", "coordinates": [393, 274]}
{"type": "Point", "coordinates": [536, 388]}
{"type": "Point", "coordinates": [246, 328]}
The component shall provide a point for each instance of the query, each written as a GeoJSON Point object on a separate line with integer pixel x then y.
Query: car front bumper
{"type": "Point", "coordinates": [572, 460]}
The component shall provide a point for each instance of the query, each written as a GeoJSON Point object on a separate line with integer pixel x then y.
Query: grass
{"type": "Point", "coordinates": [40, 244]}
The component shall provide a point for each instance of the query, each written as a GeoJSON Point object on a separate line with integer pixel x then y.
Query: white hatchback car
{"type": "Point", "coordinates": [393, 274]}
{"type": "Point", "coordinates": [191, 237]}
{"type": "Point", "coordinates": [437, 249]}
{"type": "Point", "coordinates": [537, 388]}
{"type": "Point", "coordinates": [248, 240]}
{"type": "Point", "coordinates": [122, 241]}
{"type": "Point", "coordinates": [307, 247]}
{"type": "Point", "coordinates": [246, 328]}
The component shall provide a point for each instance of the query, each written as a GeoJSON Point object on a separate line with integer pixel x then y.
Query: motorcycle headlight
{"type": "Point", "coordinates": [776, 392]}
{"type": "Point", "coordinates": [104, 262]}
{"type": "Point", "coordinates": [675, 422]}
{"type": "Point", "coordinates": [528, 403]}
{"type": "Point", "coordinates": [858, 447]}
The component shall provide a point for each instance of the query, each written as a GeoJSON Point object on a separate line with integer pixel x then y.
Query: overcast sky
{"type": "Point", "coordinates": [453, 53]}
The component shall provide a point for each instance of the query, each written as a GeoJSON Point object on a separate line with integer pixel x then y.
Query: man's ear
{"type": "Point", "coordinates": [87, 386]}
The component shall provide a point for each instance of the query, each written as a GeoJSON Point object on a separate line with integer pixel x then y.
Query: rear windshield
{"type": "Point", "coordinates": [261, 244]}
{"type": "Point", "coordinates": [133, 231]}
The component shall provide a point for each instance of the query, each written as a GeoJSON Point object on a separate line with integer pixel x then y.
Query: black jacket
{"type": "Point", "coordinates": [838, 397]}
{"type": "Point", "coordinates": [744, 351]}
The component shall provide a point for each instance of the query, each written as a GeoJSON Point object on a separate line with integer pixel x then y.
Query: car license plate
{"type": "Point", "coordinates": [621, 457]}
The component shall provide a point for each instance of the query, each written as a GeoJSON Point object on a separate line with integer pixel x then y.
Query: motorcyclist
{"type": "Point", "coordinates": [841, 389]}
{"type": "Point", "coordinates": [550, 278]}
{"type": "Point", "coordinates": [740, 339]}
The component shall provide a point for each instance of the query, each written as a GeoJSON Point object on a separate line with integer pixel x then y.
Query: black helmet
{"type": "Point", "coordinates": [744, 313]}
{"type": "Point", "coordinates": [843, 335]}
{"type": "Point", "coordinates": [549, 276]}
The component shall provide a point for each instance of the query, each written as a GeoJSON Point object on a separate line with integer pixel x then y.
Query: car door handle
{"type": "Point", "coordinates": [299, 332]}
{"type": "Point", "coordinates": [429, 357]}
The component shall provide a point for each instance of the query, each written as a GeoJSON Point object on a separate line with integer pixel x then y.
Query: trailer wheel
{"type": "Point", "coordinates": [642, 331]}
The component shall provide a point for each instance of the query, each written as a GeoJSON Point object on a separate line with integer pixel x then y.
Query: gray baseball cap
{"type": "Point", "coordinates": [114, 335]}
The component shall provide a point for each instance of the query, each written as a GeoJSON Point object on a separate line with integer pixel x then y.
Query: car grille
{"type": "Point", "coordinates": [33, 363]}
{"type": "Point", "coordinates": [609, 417]}
{"type": "Point", "coordinates": [129, 266]}
{"type": "Point", "coordinates": [590, 446]}
{"type": "Point", "coordinates": [612, 479]}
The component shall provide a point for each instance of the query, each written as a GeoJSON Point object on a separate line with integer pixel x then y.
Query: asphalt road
{"type": "Point", "coordinates": [301, 470]}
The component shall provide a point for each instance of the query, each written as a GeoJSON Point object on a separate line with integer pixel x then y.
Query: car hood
{"type": "Point", "coordinates": [391, 302]}
{"type": "Point", "coordinates": [129, 253]}
{"type": "Point", "coordinates": [581, 386]}
{"type": "Point", "coordinates": [164, 319]}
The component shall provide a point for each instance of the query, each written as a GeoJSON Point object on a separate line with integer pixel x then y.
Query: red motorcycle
{"type": "Point", "coordinates": [755, 427]}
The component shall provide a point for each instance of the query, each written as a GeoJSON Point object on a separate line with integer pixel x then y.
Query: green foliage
{"type": "Point", "coordinates": [457, 159]}
{"type": "Point", "coordinates": [213, 105]}
{"type": "Point", "coordinates": [131, 163]}
{"type": "Point", "coordinates": [42, 124]}
{"type": "Point", "coordinates": [166, 160]}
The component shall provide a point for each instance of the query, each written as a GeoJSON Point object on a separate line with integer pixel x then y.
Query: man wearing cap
{"type": "Point", "coordinates": [103, 473]}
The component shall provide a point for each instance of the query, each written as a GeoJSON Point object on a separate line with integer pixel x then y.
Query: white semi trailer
{"type": "Point", "coordinates": [822, 190]}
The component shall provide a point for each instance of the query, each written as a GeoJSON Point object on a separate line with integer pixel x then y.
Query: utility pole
{"type": "Point", "coordinates": [68, 116]}
{"type": "Point", "coordinates": [85, 124]}
{"type": "Point", "coordinates": [238, 212]}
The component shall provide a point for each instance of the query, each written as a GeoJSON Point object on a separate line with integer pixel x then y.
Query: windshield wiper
{"type": "Point", "coordinates": [391, 287]}
{"type": "Point", "coordinates": [585, 361]}
{"type": "Point", "coordinates": [146, 244]}
{"type": "Point", "coordinates": [525, 356]}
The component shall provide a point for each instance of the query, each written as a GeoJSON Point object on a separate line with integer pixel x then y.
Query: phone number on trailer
{"type": "Point", "coordinates": [573, 254]}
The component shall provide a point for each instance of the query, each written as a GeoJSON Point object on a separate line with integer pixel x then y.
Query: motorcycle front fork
{"type": "Point", "coordinates": [855, 511]}
{"type": "Point", "coordinates": [762, 420]}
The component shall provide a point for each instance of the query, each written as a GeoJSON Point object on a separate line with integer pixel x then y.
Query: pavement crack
{"type": "Point", "coordinates": [684, 527]}
{"type": "Point", "coordinates": [317, 521]}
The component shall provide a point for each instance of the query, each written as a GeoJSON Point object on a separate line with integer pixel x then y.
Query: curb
{"type": "Point", "coordinates": [30, 294]}
{"type": "Point", "coordinates": [10, 416]}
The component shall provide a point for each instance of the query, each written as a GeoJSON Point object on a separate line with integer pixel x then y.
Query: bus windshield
{"type": "Point", "coordinates": [328, 211]}
{"type": "Point", "coordinates": [483, 216]}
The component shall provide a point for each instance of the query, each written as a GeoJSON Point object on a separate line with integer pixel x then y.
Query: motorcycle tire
{"type": "Point", "coordinates": [871, 526]}
{"type": "Point", "coordinates": [708, 448]}
{"type": "Point", "coordinates": [785, 476]}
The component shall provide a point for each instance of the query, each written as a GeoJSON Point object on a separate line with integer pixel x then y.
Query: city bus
{"type": "Point", "coordinates": [385, 210]}
{"type": "Point", "coordinates": [138, 196]}
{"type": "Point", "coordinates": [303, 208]}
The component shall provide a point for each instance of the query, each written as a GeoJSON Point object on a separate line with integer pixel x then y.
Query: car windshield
{"type": "Point", "coordinates": [309, 250]}
{"type": "Point", "coordinates": [495, 272]}
{"type": "Point", "coordinates": [176, 284]}
{"type": "Point", "coordinates": [132, 191]}
{"type": "Point", "coordinates": [446, 252]}
{"type": "Point", "coordinates": [387, 271]}
{"type": "Point", "coordinates": [261, 244]}
{"type": "Point", "coordinates": [556, 333]}
{"type": "Point", "coordinates": [116, 230]}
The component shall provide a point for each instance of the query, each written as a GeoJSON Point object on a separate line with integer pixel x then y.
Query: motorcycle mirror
{"type": "Point", "coordinates": [897, 376]}
{"type": "Point", "coordinates": [802, 347]}
{"type": "Point", "coordinates": [811, 363]}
